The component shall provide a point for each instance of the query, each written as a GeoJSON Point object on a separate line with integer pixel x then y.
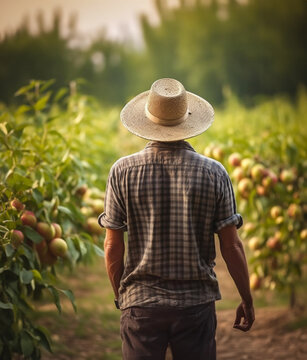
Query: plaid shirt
{"type": "Point", "coordinates": [170, 200]}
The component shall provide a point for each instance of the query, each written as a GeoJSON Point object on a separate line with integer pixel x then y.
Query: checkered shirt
{"type": "Point", "coordinates": [170, 200]}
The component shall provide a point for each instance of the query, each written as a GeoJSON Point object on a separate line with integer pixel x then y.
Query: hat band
{"type": "Point", "coordinates": [165, 122]}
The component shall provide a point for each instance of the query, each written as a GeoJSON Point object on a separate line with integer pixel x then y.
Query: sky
{"type": "Point", "coordinates": [118, 17]}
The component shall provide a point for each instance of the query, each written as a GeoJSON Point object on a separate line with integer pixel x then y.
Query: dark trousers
{"type": "Point", "coordinates": [190, 332]}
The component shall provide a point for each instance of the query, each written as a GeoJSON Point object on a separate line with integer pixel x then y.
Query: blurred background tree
{"type": "Point", "coordinates": [252, 47]}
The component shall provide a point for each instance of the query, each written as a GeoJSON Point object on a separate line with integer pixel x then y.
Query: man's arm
{"type": "Point", "coordinates": [234, 256]}
{"type": "Point", "coordinates": [114, 248]}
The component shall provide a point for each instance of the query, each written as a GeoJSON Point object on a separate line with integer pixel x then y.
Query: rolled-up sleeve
{"type": "Point", "coordinates": [114, 216]}
{"type": "Point", "coordinates": [226, 209]}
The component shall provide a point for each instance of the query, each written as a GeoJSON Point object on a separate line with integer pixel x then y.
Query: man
{"type": "Point", "coordinates": [171, 201]}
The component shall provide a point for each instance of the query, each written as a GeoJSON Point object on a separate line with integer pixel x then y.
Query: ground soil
{"type": "Point", "coordinates": [94, 334]}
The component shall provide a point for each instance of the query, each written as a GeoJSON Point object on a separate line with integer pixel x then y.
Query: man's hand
{"type": "Point", "coordinates": [247, 313]}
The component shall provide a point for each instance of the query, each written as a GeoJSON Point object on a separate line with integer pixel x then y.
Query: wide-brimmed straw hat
{"type": "Point", "coordinates": [167, 112]}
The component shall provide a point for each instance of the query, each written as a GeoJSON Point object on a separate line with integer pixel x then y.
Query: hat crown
{"type": "Point", "coordinates": [167, 100]}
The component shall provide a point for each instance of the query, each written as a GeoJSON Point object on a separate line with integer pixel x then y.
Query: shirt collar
{"type": "Point", "coordinates": [181, 144]}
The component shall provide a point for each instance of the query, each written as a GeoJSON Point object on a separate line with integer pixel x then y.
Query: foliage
{"type": "Point", "coordinates": [264, 150]}
{"type": "Point", "coordinates": [45, 180]}
{"type": "Point", "coordinates": [253, 47]}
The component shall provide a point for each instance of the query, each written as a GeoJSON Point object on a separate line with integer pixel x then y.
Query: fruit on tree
{"type": "Point", "coordinates": [93, 226]}
{"type": "Point", "coordinates": [254, 243]}
{"type": "Point", "coordinates": [287, 176]}
{"type": "Point", "coordinates": [98, 206]}
{"type": "Point", "coordinates": [255, 281]}
{"type": "Point", "coordinates": [17, 205]}
{"type": "Point", "coordinates": [303, 234]}
{"type": "Point", "coordinates": [261, 190]}
{"type": "Point", "coordinates": [46, 230]}
{"type": "Point", "coordinates": [294, 211]}
{"type": "Point", "coordinates": [208, 150]}
{"type": "Point", "coordinates": [58, 247]}
{"type": "Point", "coordinates": [217, 153]}
{"type": "Point", "coordinates": [245, 185]}
{"type": "Point", "coordinates": [257, 172]}
{"type": "Point", "coordinates": [28, 218]}
{"type": "Point", "coordinates": [86, 211]}
{"type": "Point", "coordinates": [276, 211]}
{"type": "Point", "coordinates": [249, 227]}
{"type": "Point", "coordinates": [238, 174]}
{"type": "Point", "coordinates": [247, 164]}
{"type": "Point", "coordinates": [273, 243]}
{"type": "Point", "coordinates": [269, 180]}
{"type": "Point", "coordinates": [279, 220]}
{"type": "Point", "coordinates": [234, 159]}
{"type": "Point", "coordinates": [58, 230]}
{"type": "Point", "coordinates": [17, 238]}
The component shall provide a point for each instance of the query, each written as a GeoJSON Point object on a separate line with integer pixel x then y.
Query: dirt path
{"type": "Point", "coordinates": [94, 332]}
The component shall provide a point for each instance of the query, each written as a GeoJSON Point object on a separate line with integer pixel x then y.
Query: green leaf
{"type": "Point", "coordinates": [18, 182]}
{"type": "Point", "coordinates": [6, 305]}
{"type": "Point", "coordinates": [41, 103]}
{"type": "Point", "coordinates": [56, 297]}
{"type": "Point", "coordinates": [47, 84]}
{"type": "Point", "coordinates": [26, 343]}
{"type": "Point", "coordinates": [44, 337]}
{"type": "Point", "coordinates": [32, 234]}
{"type": "Point", "coordinates": [98, 251]}
{"type": "Point", "coordinates": [65, 156]}
{"type": "Point", "coordinates": [37, 195]}
{"type": "Point", "coordinates": [62, 92]}
{"type": "Point", "coordinates": [25, 89]}
{"type": "Point", "coordinates": [65, 210]}
{"type": "Point", "coordinates": [22, 109]}
{"type": "Point", "coordinates": [71, 297]}
{"type": "Point", "coordinates": [9, 250]}
{"type": "Point", "coordinates": [26, 276]}
{"type": "Point", "coordinates": [37, 275]}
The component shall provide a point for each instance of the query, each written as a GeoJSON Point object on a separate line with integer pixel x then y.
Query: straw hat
{"type": "Point", "coordinates": [167, 112]}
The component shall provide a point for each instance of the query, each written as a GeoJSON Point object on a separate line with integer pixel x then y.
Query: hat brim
{"type": "Point", "coordinates": [200, 118]}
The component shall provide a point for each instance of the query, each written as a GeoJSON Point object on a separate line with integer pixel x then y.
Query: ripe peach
{"type": "Point", "coordinates": [257, 172]}
{"type": "Point", "coordinates": [254, 243]}
{"type": "Point", "coordinates": [273, 243]}
{"type": "Point", "coordinates": [276, 211]}
{"type": "Point", "coordinates": [294, 211]}
{"type": "Point", "coordinates": [217, 153]}
{"type": "Point", "coordinates": [93, 226]}
{"type": "Point", "coordinates": [28, 218]}
{"type": "Point", "coordinates": [208, 150]}
{"type": "Point", "coordinates": [303, 234]}
{"type": "Point", "coordinates": [255, 281]}
{"type": "Point", "coordinates": [234, 159]}
{"type": "Point", "coordinates": [245, 186]}
{"type": "Point", "coordinates": [287, 176]}
{"type": "Point", "coordinates": [17, 205]}
{"type": "Point", "coordinates": [238, 173]}
{"type": "Point", "coordinates": [247, 164]}
{"type": "Point", "coordinates": [58, 247]}
{"type": "Point", "coordinates": [46, 230]}
{"type": "Point", "coordinates": [58, 230]}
